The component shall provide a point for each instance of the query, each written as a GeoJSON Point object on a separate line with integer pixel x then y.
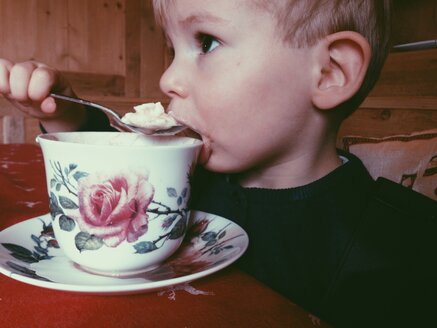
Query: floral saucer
{"type": "Point", "coordinates": [30, 253]}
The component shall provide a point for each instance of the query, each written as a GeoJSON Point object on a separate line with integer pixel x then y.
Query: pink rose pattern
{"type": "Point", "coordinates": [114, 210]}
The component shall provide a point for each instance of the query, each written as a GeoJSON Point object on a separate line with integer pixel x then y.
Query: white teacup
{"type": "Point", "coordinates": [118, 200]}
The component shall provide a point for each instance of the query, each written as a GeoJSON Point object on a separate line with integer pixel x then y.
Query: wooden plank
{"type": "Point", "coordinates": [387, 122]}
{"type": "Point", "coordinates": [152, 53]}
{"type": "Point", "coordinates": [412, 102]}
{"type": "Point", "coordinates": [51, 33]}
{"type": "Point", "coordinates": [3, 35]}
{"type": "Point", "coordinates": [106, 33]}
{"type": "Point", "coordinates": [34, 30]}
{"type": "Point", "coordinates": [133, 47]}
{"type": "Point", "coordinates": [18, 42]}
{"type": "Point", "coordinates": [77, 17]}
{"type": "Point", "coordinates": [408, 74]}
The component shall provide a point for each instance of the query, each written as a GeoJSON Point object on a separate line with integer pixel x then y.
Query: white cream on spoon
{"type": "Point", "coordinates": [149, 116]}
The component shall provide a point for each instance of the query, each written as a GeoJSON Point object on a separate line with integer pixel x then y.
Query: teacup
{"type": "Point", "coordinates": [118, 201]}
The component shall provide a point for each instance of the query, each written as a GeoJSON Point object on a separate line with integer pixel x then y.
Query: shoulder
{"type": "Point", "coordinates": [399, 223]}
{"type": "Point", "coordinates": [386, 270]}
{"type": "Point", "coordinates": [402, 202]}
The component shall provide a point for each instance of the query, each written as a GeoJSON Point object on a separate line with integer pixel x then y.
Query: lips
{"type": "Point", "coordinates": [205, 151]}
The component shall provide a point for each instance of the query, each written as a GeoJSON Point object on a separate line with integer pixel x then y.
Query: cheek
{"type": "Point", "coordinates": [248, 111]}
{"type": "Point", "coordinates": [247, 130]}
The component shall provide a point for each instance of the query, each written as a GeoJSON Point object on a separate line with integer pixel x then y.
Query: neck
{"type": "Point", "coordinates": [293, 171]}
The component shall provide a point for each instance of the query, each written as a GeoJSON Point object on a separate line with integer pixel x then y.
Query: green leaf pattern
{"type": "Point", "coordinates": [85, 241]}
{"type": "Point", "coordinates": [66, 223]}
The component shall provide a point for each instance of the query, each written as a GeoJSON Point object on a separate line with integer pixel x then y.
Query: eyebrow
{"type": "Point", "coordinates": [200, 18]}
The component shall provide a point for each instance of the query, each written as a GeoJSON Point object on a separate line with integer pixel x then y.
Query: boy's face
{"type": "Point", "coordinates": [236, 83]}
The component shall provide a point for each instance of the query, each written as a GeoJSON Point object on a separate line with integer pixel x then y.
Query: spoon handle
{"type": "Point", "coordinates": [114, 118]}
{"type": "Point", "coordinates": [86, 103]}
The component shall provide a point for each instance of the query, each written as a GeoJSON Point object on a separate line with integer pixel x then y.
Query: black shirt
{"type": "Point", "coordinates": [351, 250]}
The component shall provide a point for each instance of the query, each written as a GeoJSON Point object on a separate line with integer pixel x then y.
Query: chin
{"type": "Point", "coordinates": [221, 166]}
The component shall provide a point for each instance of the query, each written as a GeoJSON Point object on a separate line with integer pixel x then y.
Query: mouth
{"type": "Point", "coordinates": [192, 132]}
{"type": "Point", "coordinates": [205, 151]}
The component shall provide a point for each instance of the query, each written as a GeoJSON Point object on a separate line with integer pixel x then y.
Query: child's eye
{"type": "Point", "coordinates": [207, 43]}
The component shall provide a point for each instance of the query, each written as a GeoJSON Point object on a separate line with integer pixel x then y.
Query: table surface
{"type": "Point", "coordinates": [228, 298]}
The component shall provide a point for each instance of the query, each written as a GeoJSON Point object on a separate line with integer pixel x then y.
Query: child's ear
{"type": "Point", "coordinates": [343, 59]}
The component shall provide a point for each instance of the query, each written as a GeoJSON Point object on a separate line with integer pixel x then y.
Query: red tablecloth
{"type": "Point", "coordinates": [231, 298]}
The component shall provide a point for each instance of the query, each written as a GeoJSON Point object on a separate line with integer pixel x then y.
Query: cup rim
{"type": "Point", "coordinates": [51, 138]}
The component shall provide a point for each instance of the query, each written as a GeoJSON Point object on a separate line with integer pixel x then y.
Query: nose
{"type": "Point", "coordinates": [173, 81]}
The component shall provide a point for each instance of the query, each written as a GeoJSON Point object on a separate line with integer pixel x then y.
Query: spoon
{"type": "Point", "coordinates": [117, 123]}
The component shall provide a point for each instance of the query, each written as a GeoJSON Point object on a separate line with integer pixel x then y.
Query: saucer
{"type": "Point", "coordinates": [29, 253]}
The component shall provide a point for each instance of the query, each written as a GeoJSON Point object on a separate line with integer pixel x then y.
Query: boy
{"type": "Point", "coordinates": [266, 85]}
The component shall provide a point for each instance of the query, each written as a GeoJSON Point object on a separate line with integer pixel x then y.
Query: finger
{"type": "Point", "coordinates": [41, 82]}
{"type": "Point", "coordinates": [5, 67]}
{"type": "Point", "coordinates": [19, 79]}
{"type": "Point", "coordinates": [48, 106]}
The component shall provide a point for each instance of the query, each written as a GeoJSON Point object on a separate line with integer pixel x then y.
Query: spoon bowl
{"type": "Point", "coordinates": [117, 123]}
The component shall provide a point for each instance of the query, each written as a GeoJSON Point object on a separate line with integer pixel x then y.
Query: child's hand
{"type": "Point", "coordinates": [28, 85]}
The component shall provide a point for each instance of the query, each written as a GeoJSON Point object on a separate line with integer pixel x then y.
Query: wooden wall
{"type": "Point", "coordinates": [110, 44]}
{"type": "Point", "coordinates": [110, 50]}
{"type": "Point", "coordinates": [114, 54]}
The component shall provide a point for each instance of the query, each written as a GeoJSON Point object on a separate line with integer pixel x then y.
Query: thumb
{"type": "Point", "coordinates": [48, 105]}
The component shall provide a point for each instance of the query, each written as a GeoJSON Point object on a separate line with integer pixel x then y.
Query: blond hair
{"type": "Point", "coordinates": [303, 22]}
